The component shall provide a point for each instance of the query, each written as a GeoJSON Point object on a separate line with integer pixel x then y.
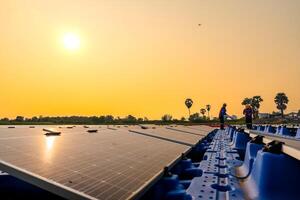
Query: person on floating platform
{"type": "Point", "coordinates": [248, 112]}
{"type": "Point", "coordinates": [222, 116]}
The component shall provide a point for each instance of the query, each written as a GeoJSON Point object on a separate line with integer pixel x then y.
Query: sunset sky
{"type": "Point", "coordinates": [145, 57]}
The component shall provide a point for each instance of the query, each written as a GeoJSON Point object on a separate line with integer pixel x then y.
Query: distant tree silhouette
{"type": "Point", "coordinates": [166, 118]}
{"type": "Point", "coordinates": [208, 107]}
{"type": "Point", "coordinates": [255, 104]}
{"type": "Point", "coordinates": [182, 119]}
{"type": "Point", "coordinates": [129, 119]}
{"type": "Point", "coordinates": [19, 119]}
{"type": "Point", "coordinates": [203, 111]}
{"type": "Point", "coordinates": [247, 101]}
{"type": "Point", "coordinates": [140, 119]}
{"type": "Point", "coordinates": [189, 103]}
{"type": "Point", "coordinates": [194, 117]}
{"type": "Point", "coordinates": [5, 119]}
{"type": "Point", "coordinates": [34, 119]}
{"type": "Point", "coordinates": [281, 101]}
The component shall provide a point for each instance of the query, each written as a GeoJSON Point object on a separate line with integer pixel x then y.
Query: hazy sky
{"type": "Point", "coordinates": [144, 57]}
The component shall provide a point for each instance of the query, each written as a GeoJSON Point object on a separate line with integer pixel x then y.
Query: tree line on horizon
{"type": "Point", "coordinates": [281, 100]}
{"type": "Point", "coordinates": [105, 119]}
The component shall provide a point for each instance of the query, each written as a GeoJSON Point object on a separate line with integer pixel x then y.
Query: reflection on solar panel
{"type": "Point", "coordinates": [169, 135]}
{"type": "Point", "coordinates": [110, 164]}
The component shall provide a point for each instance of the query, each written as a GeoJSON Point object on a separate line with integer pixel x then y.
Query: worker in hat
{"type": "Point", "coordinates": [248, 112]}
{"type": "Point", "coordinates": [222, 116]}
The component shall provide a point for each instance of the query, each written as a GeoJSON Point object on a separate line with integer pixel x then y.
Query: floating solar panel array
{"type": "Point", "coordinates": [154, 162]}
{"type": "Point", "coordinates": [235, 165]}
{"type": "Point", "coordinates": [94, 162]}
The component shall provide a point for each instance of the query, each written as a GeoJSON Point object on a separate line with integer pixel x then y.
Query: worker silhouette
{"type": "Point", "coordinates": [248, 112]}
{"type": "Point", "coordinates": [222, 116]}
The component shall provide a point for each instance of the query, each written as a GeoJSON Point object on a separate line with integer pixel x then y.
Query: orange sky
{"type": "Point", "coordinates": [145, 57]}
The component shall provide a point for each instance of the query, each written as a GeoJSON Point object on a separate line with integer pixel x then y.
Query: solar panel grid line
{"type": "Point", "coordinates": [132, 184]}
{"type": "Point", "coordinates": [63, 176]}
{"type": "Point", "coordinates": [121, 183]}
{"type": "Point", "coordinates": [111, 178]}
{"type": "Point", "coordinates": [117, 195]}
{"type": "Point", "coordinates": [42, 182]}
{"type": "Point", "coordinates": [183, 131]}
{"type": "Point", "coordinates": [80, 185]}
{"type": "Point", "coordinates": [173, 134]}
{"type": "Point", "coordinates": [104, 194]}
{"type": "Point", "coordinates": [28, 161]}
{"type": "Point", "coordinates": [99, 192]}
{"type": "Point", "coordinates": [108, 182]}
{"type": "Point", "coordinates": [193, 138]}
{"type": "Point", "coordinates": [162, 138]}
{"type": "Point", "coordinates": [201, 127]}
{"type": "Point", "coordinates": [102, 186]}
{"type": "Point", "coordinates": [109, 174]}
{"type": "Point", "coordinates": [93, 186]}
{"type": "Point", "coordinates": [150, 182]}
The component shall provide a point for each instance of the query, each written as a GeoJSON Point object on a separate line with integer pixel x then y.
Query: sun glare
{"type": "Point", "coordinates": [71, 41]}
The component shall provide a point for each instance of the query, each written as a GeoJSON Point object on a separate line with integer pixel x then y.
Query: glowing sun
{"type": "Point", "coordinates": [71, 41]}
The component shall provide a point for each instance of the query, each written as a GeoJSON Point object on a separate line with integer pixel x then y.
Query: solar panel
{"type": "Point", "coordinates": [169, 135]}
{"type": "Point", "coordinates": [109, 164]}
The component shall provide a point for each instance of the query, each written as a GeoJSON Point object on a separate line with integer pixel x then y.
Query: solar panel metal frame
{"type": "Point", "coordinates": [173, 135]}
{"type": "Point", "coordinates": [184, 131]}
{"type": "Point", "coordinates": [161, 138]}
{"type": "Point", "coordinates": [200, 127]}
{"type": "Point", "coordinates": [290, 146]}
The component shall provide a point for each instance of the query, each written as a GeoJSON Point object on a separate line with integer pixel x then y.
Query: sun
{"type": "Point", "coordinates": [71, 41]}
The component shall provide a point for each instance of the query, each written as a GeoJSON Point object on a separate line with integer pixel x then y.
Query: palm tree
{"type": "Point", "coordinates": [189, 103]}
{"type": "Point", "coordinates": [202, 111]}
{"type": "Point", "coordinates": [246, 101]}
{"type": "Point", "coordinates": [255, 103]}
{"type": "Point", "coordinates": [208, 107]}
{"type": "Point", "coordinates": [281, 100]}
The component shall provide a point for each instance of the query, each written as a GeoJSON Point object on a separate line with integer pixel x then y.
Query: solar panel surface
{"type": "Point", "coordinates": [109, 164]}
{"type": "Point", "coordinates": [175, 136]}
{"type": "Point", "coordinates": [194, 130]}
{"type": "Point", "coordinates": [200, 127]}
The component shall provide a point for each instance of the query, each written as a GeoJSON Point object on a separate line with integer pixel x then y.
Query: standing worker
{"type": "Point", "coordinates": [248, 112]}
{"type": "Point", "coordinates": [222, 115]}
